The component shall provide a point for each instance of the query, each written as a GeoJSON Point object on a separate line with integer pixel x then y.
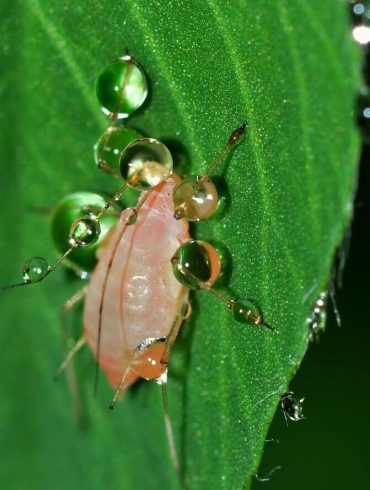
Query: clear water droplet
{"type": "Point", "coordinates": [35, 269]}
{"type": "Point", "coordinates": [110, 146]}
{"type": "Point", "coordinates": [84, 231]}
{"type": "Point", "coordinates": [121, 87]}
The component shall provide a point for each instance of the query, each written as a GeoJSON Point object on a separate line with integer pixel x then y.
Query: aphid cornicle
{"type": "Point", "coordinates": [138, 294]}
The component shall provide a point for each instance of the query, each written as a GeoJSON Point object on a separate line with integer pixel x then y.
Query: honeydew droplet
{"type": "Point", "coordinates": [145, 163]}
{"type": "Point", "coordinates": [121, 87]}
{"type": "Point", "coordinates": [35, 269]}
{"type": "Point", "coordinates": [195, 198]}
{"type": "Point", "coordinates": [84, 231]}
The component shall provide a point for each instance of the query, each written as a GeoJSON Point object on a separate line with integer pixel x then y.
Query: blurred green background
{"type": "Point", "coordinates": [330, 448]}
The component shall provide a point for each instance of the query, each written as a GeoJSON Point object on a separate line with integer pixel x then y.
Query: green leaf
{"type": "Point", "coordinates": [288, 68]}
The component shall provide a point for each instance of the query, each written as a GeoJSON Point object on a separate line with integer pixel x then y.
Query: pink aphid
{"type": "Point", "coordinates": [142, 295]}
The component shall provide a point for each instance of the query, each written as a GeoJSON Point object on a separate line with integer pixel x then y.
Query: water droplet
{"type": "Point", "coordinates": [245, 312]}
{"type": "Point", "coordinates": [291, 406]}
{"type": "Point", "coordinates": [65, 214]}
{"type": "Point", "coordinates": [196, 261]}
{"type": "Point", "coordinates": [110, 146]}
{"type": "Point", "coordinates": [195, 199]}
{"type": "Point", "coordinates": [121, 87]}
{"type": "Point", "coordinates": [35, 269]}
{"type": "Point", "coordinates": [145, 163]}
{"type": "Point", "coordinates": [84, 231]}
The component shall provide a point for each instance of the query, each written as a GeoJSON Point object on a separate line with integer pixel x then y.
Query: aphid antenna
{"type": "Point", "coordinates": [233, 139]}
{"type": "Point", "coordinates": [77, 239]}
{"type": "Point", "coordinates": [71, 354]}
{"type": "Point", "coordinates": [130, 221]}
{"type": "Point", "coordinates": [334, 304]}
{"type": "Point", "coordinates": [233, 305]}
{"type": "Point", "coordinates": [267, 477]}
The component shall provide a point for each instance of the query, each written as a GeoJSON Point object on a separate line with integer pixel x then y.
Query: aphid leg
{"type": "Point", "coordinates": [170, 340]}
{"type": "Point", "coordinates": [169, 430]}
{"type": "Point", "coordinates": [106, 168]}
{"type": "Point", "coordinates": [121, 387]}
{"type": "Point", "coordinates": [198, 252]}
{"type": "Point", "coordinates": [66, 365]}
{"type": "Point", "coordinates": [70, 355]}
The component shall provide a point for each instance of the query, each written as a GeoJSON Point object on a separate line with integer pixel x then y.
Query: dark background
{"type": "Point", "coordinates": [330, 448]}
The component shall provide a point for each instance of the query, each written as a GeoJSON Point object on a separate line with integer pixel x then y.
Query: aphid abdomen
{"type": "Point", "coordinates": [142, 295]}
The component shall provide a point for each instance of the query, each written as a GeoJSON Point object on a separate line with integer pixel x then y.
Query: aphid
{"type": "Point", "coordinates": [291, 406]}
{"type": "Point", "coordinates": [138, 294]}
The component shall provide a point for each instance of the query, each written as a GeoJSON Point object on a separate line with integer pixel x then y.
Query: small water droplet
{"type": "Point", "coordinates": [35, 269]}
{"type": "Point", "coordinates": [84, 231]}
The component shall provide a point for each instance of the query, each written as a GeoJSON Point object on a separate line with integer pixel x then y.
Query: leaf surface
{"type": "Point", "coordinates": [287, 68]}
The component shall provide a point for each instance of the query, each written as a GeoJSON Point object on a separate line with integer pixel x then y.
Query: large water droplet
{"type": "Point", "coordinates": [195, 262]}
{"type": "Point", "coordinates": [110, 146]}
{"type": "Point", "coordinates": [121, 87]}
{"type": "Point", "coordinates": [145, 163]}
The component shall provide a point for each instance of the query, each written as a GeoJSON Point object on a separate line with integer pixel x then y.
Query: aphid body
{"type": "Point", "coordinates": [292, 406]}
{"type": "Point", "coordinates": [142, 295]}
